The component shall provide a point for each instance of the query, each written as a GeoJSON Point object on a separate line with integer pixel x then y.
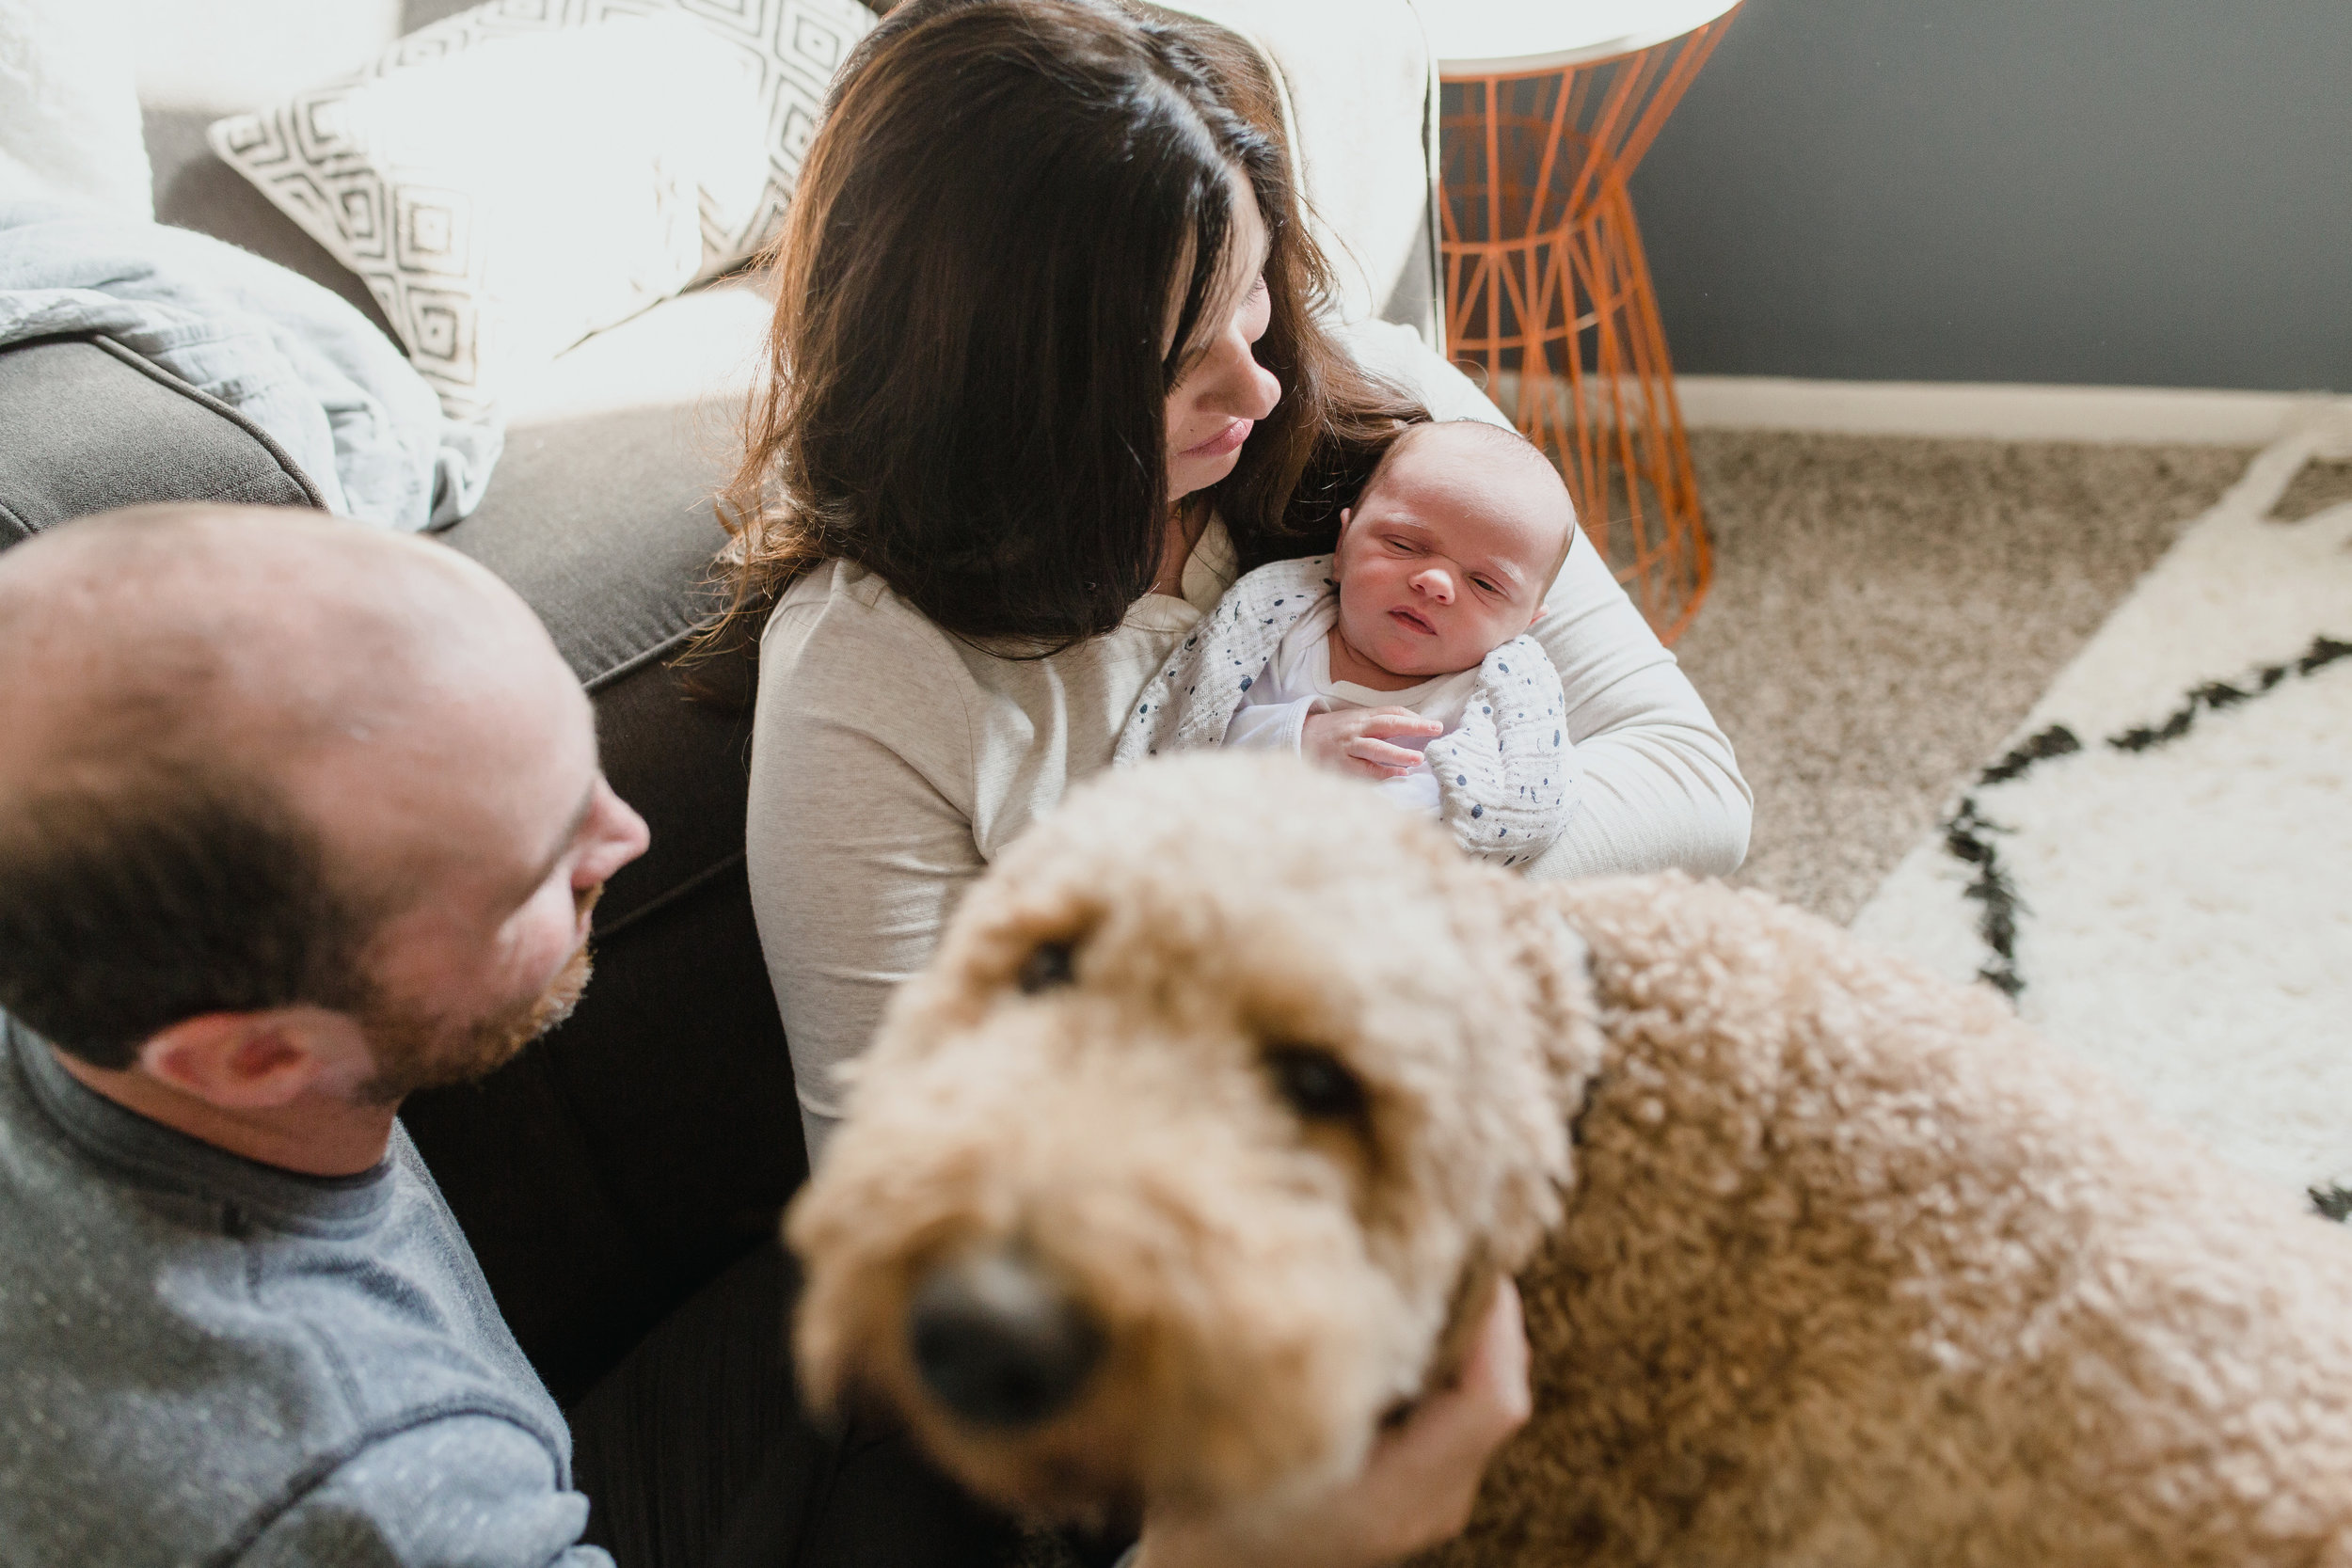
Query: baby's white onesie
{"type": "Point", "coordinates": [1298, 682]}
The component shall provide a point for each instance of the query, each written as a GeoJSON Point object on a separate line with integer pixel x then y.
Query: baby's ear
{"type": "Point", "coordinates": [1540, 609]}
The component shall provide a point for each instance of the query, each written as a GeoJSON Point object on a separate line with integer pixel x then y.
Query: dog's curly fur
{"type": "Point", "coordinates": [1844, 1266]}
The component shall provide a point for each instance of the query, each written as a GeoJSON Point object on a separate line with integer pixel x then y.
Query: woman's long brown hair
{"type": "Point", "coordinates": [967, 381]}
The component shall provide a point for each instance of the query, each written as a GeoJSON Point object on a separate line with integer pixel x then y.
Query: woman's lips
{"type": "Point", "coordinates": [1414, 620]}
{"type": "Point", "coordinates": [1227, 439]}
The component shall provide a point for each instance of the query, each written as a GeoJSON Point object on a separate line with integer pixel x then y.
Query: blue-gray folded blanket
{"type": "Point", "coordinates": [292, 356]}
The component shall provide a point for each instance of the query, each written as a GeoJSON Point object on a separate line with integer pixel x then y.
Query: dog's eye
{"type": "Point", "coordinates": [1047, 967]}
{"type": "Point", "coordinates": [1314, 1083]}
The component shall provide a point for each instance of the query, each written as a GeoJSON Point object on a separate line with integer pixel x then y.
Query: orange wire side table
{"type": "Point", "coordinates": [1546, 106]}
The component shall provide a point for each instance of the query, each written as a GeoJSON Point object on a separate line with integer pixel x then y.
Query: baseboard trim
{"type": "Point", "coordinates": [2147, 415]}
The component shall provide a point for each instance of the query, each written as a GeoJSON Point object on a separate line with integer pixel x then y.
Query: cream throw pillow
{"type": "Point", "coordinates": [523, 174]}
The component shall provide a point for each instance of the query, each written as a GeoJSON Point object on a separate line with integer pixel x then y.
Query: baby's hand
{"type": "Point", "coordinates": [1348, 741]}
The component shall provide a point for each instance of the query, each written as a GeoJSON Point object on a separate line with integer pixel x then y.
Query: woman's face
{"type": "Point", "coordinates": [1226, 393]}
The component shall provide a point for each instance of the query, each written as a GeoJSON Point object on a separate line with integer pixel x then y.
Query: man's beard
{"type": "Point", "coordinates": [414, 1053]}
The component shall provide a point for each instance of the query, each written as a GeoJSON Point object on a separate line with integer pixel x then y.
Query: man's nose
{"type": "Point", "coordinates": [622, 837]}
{"type": "Point", "coordinates": [1436, 582]}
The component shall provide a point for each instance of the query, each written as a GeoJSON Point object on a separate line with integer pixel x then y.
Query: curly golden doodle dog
{"type": "Point", "coordinates": [1232, 1087]}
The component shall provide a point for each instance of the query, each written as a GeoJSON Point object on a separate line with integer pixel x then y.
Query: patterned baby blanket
{"type": "Point", "coordinates": [1504, 773]}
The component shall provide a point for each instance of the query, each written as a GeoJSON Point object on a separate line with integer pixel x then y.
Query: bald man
{"type": "Point", "coordinates": [296, 819]}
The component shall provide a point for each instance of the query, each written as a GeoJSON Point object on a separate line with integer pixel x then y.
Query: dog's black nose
{"type": "Point", "coordinates": [997, 1342]}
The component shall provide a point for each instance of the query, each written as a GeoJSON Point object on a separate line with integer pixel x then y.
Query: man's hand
{"type": "Point", "coordinates": [1415, 1491]}
{"type": "Point", "coordinates": [1350, 741]}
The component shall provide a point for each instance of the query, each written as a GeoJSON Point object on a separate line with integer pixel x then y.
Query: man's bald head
{"type": "Point", "coordinates": [222, 724]}
{"type": "Point", "coordinates": [165, 631]}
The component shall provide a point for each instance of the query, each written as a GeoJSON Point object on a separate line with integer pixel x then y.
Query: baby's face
{"type": "Point", "coordinates": [1446, 558]}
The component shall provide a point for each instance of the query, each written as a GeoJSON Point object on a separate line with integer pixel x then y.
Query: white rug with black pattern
{"type": "Point", "coordinates": [2158, 870]}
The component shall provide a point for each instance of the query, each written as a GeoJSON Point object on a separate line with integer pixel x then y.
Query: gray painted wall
{"type": "Point", "coordinates": [2127, 191]}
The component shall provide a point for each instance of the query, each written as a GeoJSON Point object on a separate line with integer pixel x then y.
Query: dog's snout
{"type": "Point", "coordinates": [997, 1341]}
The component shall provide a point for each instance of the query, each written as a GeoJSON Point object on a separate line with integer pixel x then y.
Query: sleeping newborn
{"type": "Point", "coordinates": [1403, 658]}
{"type": "Point", "coordinates": [1445, 557]}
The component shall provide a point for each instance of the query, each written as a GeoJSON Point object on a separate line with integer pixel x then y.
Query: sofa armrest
{"type": "Point", "coordinates": [91, 425]}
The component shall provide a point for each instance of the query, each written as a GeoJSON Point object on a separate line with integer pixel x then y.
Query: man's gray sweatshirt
{"type": "Point", "coordinates": [208, 1361]}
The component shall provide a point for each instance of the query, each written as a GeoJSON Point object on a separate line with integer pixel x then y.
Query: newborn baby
{"type": "Point", "coordinates": [1403, 656]}
{"type": "Point", "coordinates": [1445, 557]}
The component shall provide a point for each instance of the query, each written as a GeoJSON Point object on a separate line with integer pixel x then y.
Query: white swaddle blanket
{"type": "Point", "coordinates": [1503, 774]}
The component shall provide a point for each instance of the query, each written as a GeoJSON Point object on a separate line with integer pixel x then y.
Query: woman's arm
{"type": "Point", "coordinates": [1656, 784]}
{"type": "Point", "coordinates": [859, 833]}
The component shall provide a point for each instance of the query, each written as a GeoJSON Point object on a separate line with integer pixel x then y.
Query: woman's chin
{"type": "Point", "coordinates": [1186, 475]}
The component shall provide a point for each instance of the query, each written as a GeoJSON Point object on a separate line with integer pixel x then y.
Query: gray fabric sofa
{"type": "Point", "coordinates": [625, 1162]}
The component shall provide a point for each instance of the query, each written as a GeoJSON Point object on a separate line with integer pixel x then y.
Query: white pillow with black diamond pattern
{"type": "Point", "coordinates": [510, 179]}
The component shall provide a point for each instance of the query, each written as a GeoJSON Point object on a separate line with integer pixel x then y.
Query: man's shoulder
{"type": "Point", "coordinates": [176, 1354]}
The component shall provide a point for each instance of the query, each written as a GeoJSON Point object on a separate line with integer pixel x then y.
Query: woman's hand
{"type": "Point", "coordinates": [1350, 741]}
{"type": "Point", "coordinates": [1415, 1491]}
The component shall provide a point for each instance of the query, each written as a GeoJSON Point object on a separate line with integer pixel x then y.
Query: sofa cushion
{"type": "Point", "coordinates": [600, 516]}
{"type": "Point", "coordinates": [611, 545]}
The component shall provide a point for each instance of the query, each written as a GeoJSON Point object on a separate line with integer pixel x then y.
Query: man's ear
{"type": "Point", "coordinates": [253, 1061]}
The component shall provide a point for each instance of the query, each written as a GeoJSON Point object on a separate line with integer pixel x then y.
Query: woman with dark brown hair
{"type": "Point", "coordinates": [1050, 367]}
{"type": "Point", "coordinates": [1052, 364]}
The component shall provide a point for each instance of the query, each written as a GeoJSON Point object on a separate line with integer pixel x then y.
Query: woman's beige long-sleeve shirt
{"type": "Point", "coordinates": [891, 761]}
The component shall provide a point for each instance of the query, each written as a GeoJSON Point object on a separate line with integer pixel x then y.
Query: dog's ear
{"type": "Point", "coordinates": [1557, 958]}
{"type": "Point", "coordinates": [1564, 1049]}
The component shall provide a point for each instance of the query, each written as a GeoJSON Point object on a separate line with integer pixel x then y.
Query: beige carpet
{"type": "Point", "coordinates": [1886, 609]}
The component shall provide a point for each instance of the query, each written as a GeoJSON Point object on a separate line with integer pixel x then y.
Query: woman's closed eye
{"type": "Point", "coordinates": [1257, 311]}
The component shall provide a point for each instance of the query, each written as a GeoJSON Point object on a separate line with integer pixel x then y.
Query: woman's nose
{"type": "Point", "coordinates": [1436, 582]}
{"type": "Point", "coordinates": [1265, 391]}
{"type": "Point", "coordinates": [1249, 390]}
